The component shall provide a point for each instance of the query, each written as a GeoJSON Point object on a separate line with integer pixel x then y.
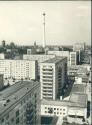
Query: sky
{"type": "Point", "coordinates": [67, 22]}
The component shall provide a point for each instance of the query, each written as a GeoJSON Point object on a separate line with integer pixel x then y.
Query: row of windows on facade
{"type": "Point", "coordinates": [55, 109]}
{"type": "Point", "coordinates": [56, 112]}
{"type": "Point", "coordinates": [30, 96]}
{"type": "Point", "coordinates": [17, 115]}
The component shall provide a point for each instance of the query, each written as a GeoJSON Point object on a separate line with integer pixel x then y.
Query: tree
{"type": "Point", "coordinates": [12, 45]}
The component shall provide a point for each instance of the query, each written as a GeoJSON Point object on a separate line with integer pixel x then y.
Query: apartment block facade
{"type": "Point", "coordinates": [19, 104]}
{"type": "Point", "coordinates": [74, 58]}
{"type": "Point", "coordinates": [18, 69]}
{"type": "Point", "coordinates": [53, 74]}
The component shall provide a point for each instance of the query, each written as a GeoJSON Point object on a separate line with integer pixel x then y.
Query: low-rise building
{"type": "Point", "coordinates": [75, 107]}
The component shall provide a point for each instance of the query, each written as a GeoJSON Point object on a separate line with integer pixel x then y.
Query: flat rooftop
{"type": "Point", "coordinates": [66, 103]}
{"type": "Point", "coordinates": [55, 59]}
{"type": "Point", "coordinates": [78, 98]}
{"type": "Point", "coordinates": [78, 88]}
{"type": "Point", "coordinates": [12, 95]}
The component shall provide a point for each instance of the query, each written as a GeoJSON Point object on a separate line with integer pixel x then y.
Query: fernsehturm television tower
{"type": "Point", "coordinates": [44, 35]}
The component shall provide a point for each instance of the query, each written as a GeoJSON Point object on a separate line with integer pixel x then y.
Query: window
{"type": "Point", "coordinates": [54, 108]}
{"type": "Point", "coordinates": [7, 117]}
{"type": "Point", "coordinates": [2, 120]}
{"type": "Point", "coordinates": [45, 107]}
{"type": "Point", "coordinates": [12, 120]}
{"type": "Point", "coordinates": [17, 113]}
{"type": "Point", "coordinates": [17, 121]}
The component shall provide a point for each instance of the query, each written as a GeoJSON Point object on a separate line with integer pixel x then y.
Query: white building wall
{"type": "Point", "coordinates": [18, 69]}
{"type": "Point", "coordinates": [73, 57]}
{"type": "Point", "coordinates": [54, 80]}
{"type": "Point", "coordinates": [60, 111]}
{"type": "Point", "coordinates": [2, 56]}
{"type": "Point", "coordinates": [78, 112]}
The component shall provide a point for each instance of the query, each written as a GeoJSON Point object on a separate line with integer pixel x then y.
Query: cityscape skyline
{"type": "Point", "coordinates": [22, 22]}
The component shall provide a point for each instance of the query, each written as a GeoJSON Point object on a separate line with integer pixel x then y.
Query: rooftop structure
{"type": "Point", "coordinates": [79, 99]}
{"type": "Point", "coordinates": [39, 57]}
{"type": "Point", "coordinates": [54, 60]}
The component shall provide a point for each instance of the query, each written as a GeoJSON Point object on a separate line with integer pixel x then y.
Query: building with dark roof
{"type": "Point", "coordinates": [19, 104]}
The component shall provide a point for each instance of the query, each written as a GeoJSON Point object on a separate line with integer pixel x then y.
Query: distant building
{"type": "Point", "coordinates": [31, 51]}
{"type": "Point", "coordinates": [19, 69]}
{"type": "Point", "coordinates": [2, 56]}
{"type": "Point", "coordinates": [79, 72]}
{"type": "Point", "coordinates": [1, 82]}
{"type": "Point", "coordinates": [3, 43]}
{"type": "Point", "coordinates": [74, 58]}
{"type": "Point", "coordinates": [8, 50]}
{"type": "Point", "coordinates": [39, 57]}
{"type": "Point", "coordinates": [19, 104]}
{"type": "Point", "coordinates": [61, 53]}
{"type": "Point", "coordinates": [53, 76]}
{"type": "Point", "coordinates": [79, 46]}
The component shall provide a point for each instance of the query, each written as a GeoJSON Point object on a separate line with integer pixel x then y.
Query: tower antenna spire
{"type": "Point", "coordinates": [44, 35]}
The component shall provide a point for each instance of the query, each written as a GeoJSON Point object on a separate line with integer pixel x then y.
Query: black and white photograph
{"type": "Point", "coordinates": [45, 62]}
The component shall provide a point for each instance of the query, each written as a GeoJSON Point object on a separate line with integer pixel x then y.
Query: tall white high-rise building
{"type": "Point", "coordinates": [19, 69]}
{"type": "Point", "coordinates": [53, 74]}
